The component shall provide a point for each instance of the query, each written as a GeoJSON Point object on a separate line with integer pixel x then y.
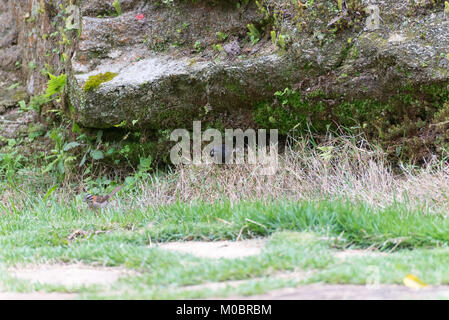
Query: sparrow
{"type": "Point", "coordinates": [222, 153]}
{"type": "Point", "coordinates": [100, 201]}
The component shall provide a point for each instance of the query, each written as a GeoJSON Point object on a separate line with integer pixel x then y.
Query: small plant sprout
{"type": "Point", "coordinates": [222, 36]}
{"type": "Point", "coordinates": [253, 33]}
{"type": "Point", "coordinates": [197, 46]}
{"type": "Point", "coordinates": [117, 7]}
{"type": "Point", "coordinates": [273, 37]}
{"type": "Point", "coordinates": [218, 47]}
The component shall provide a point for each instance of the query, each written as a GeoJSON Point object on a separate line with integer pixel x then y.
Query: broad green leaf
{"type": "Point", "coordinates": [71, 145]}
{"type": "Point", "coordinates": [97, 154]}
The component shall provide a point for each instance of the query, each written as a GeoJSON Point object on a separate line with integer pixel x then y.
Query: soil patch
{"type": "Point", "coordinates": [70, 275]}
{"type": "Point", "coordinates": [217, 249]}
{"type": "Point", "coordinates": [36, 296]}
{"type": "Point", "coordinates": [353, 292]}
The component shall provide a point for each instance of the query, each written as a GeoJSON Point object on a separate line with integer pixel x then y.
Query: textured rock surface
{"type": "Point", "coordinates": [9, 53]}
{"type": "Point", "coordinates": [170, 73]}
{"type": "Point", "coordinates": [11, 88]}
{"type": "Point", "coordinates": [166, 91]}
{"type": "Point", "coordinates": [15, 123]}
{"type": "Point", "coordinates": [167, 72]}
{"type": "Point", "coordinates": [41, 42]}
{"type": "Point", "coordinates": [397, 46]}
{"type": "Point", "coordinates": [403, 51]}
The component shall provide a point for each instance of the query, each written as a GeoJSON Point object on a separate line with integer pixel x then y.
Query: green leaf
{"type": "Point", "coordinates": [75, 127]}
{"type": "Point", "coordinates": [60, 166]}
{"type": "Point", "coordinates": [55, 84]}
{"type": "Point", "coordinates": [22, 105]}
{"type": "Point", "coordinates": [97, 154]}
{"type": "Point", "coordinates": [83, 160]}
{"type": "Point", "coordinates": [117, 7]}
{"type": "Point", "coordinates": [121, 124]}
{"type": "Point", "coordinates": [99, 136]}
{"type": "Point", "coordinates": [129, 180]}
{"type": "Point", "coordinates": [13, 86]}
{"type": "Point", "coordinates": [110, 151]}
{"type": "Point", "coordinates": [50, 166]}
{"type": "Point", "coordinates": [12, 142]}
{"type": "Point", "coordinates": [71, 145]}
{"type": "Point", "coordinates": [49, 192]}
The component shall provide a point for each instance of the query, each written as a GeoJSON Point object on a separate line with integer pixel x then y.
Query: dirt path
{"type": "Point", "coordinates": [216, 249]}
{"type": "Point", "coordinates": [352, 292]}
{"type": "Point", "coordinates": [37, 296]}
{"type": "Point", "coordinates": [81, 274]}
{"type": "Point", "coordinates": [69, 274]}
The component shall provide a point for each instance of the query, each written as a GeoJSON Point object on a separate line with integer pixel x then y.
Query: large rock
{"type": "Point", "coordinates": [167, 72]}
{"type": "Point", "coordinates": [407, 49]}
{"type": "Point", "coordinates": [170, 70]}
{"type": "Point", "coordinates": [11, 87]}
{"type": "Point", "coordinates": [163, 82]}
{"type": "Point", "coordinates": [164, 91]}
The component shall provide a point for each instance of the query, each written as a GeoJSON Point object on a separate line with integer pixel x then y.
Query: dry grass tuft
{"type": "Point", "coordinates": [338, 168]}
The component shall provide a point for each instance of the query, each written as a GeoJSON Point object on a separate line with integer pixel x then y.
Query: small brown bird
{"type": "Point", "coordinates": [100, 201]}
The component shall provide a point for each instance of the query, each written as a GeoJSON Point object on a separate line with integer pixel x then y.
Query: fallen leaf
{"type": "Point", "coordinates": [412, 281]}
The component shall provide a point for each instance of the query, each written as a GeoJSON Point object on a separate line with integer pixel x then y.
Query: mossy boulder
{"type": "Point", "coordinates": [162, 91]}
{"type": "Point", "coordinates": [383, 67]}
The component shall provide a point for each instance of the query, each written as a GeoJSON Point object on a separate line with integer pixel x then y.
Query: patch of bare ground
{"type": "Point", "coordinates": [36, 296]}
{"type": "Point", "coordinates": [349, 253]}
{"type": "Point", "coordinates": [216, 249]}
{"type": "Point", "coordinates": [352, 292]}
{"type": "Point", "coordinates": [294, 275]}
{"type": "Point", "coordinates": [69, 274]}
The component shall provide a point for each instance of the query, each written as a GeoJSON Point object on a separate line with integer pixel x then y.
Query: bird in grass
{"type": "Point", "coordinates": [222, 153]}
{"type": "Point", "coordinates": [97, 202]}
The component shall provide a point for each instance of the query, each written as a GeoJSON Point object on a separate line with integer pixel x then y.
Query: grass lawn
{"type": "Point", "coordinates": [302, 238]}
{"type": "Point", "coordinates": [338, 215]}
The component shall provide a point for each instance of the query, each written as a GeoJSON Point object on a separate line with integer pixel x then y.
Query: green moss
{"type": "Point", "coordinates": [95, 81]}
{"type": "Point", "coordinates": [410, 123]}
{"type": "Point", "coordinates": [291, 109]}
{"type": "Point", "coordinates": [232, 87]}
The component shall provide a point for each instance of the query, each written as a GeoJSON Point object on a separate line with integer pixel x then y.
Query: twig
{"type": "Point", "coordinates": [240, 233]}
{"type": "Point", "coordinates": [259, 224]}
{"type": "Point", "coordinates": [224, 221]}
